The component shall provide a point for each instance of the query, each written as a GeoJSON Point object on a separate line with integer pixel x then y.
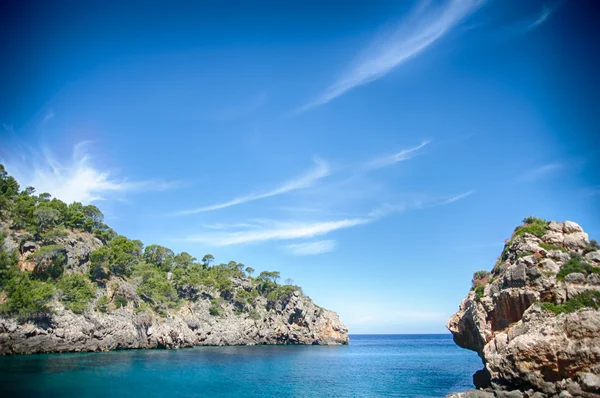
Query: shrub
{"type": "Point", "coordinates": [215, 308]}
{"type": "Point", "coordinates": [102, 304]}
{"type": "Point", "coordinates": [76, 292]}
{"type": "Point", "coordinates": [587, 299]}
{"type": "Point", "coordinates": [253, 314]}
{"type": "Point", "coordinates": [548, 247]}
{"type": "Point", "coordinates": [537, 227]}
{"type": "Point", "coordinates": [479, 291]}
{"type": "Point", "coordinates": [281, 293]}
{"type": "Point", "coordinates": [576, 264]}
{"type": "Point", "coordinates": [533, 220]}
{"type": "Point", "coordinates": [120, 301]}
{"type": "Point", "coordinates": [158, 291]}
{"type": "Point", "coordinates": [54, 234]}
{"type": "Point", "coordinates": [27, 298]}
{"type": "Point", "coordinates": [480, 274]}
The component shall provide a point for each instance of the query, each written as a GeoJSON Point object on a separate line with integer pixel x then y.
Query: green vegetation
{"type": "Point", "coordinates": [102, 304]}
{"type": "Point", "coordinates": [161, 278]}
{"type": "Point", "coordinates": [75, 292]}
{"type": "Point", "coordinates": [282, 293]}
{"type": "Point", "coordinates": [576, 264]}
{"type": "Point", "coordinates": [591, 247]}
{"type": "Point", "coordinates": [215, 308]}
{"type": "Point", "coordinates": [477, 275]}
{"type": "Point", "coordinates": [532, 225]}
{"type": "Point", "coordinates": [548, 247]}
{"type": "Point", "coordinates": [120, 301]}
{"type": "Point", "coordinates": [587, 299]}
{"type": "Point", "coordinates": [117, 258]}
{"type": "Point", "coordinates": [479, 290]}
{"type": "Point", "coordinates": [533, 220]}
{"type": "Point", "coordinates": [27, 298]}
{"type": "Point", "coordinates": [49, 261]}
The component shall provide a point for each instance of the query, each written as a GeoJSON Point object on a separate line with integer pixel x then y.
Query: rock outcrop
{"type": "Point", "coordinates": [297, 321]}
{"type": "Point", "coordinates": [535, 319]}
{"type": "Point", "coordinates": [291, 319]}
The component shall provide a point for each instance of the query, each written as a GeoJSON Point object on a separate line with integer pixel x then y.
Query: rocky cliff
{"type": "Point", "coordinates": [68, 282]}
{"type": "Point", "coordinates": [297, 321]}
{"type": "Point", "coordinates": [535, 318]}
{"type": "Point", "coordinates": [291, 319]}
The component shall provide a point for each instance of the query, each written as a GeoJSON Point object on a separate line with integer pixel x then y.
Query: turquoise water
{"type": "Point", "coordinates": [371, 366]}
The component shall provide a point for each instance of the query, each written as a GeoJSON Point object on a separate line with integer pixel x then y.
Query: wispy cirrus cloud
{"type": "Point", "coordinates": [543, 17]}
{"type": "Point", "coordinates": [540, 172]}
{"type": "Point", "coordinates": [416, 203]}
{"type": "Point", "coordinates": [275, 230]}
{"type": "Point", "coordinates": [389, 160]}
{"type": "Point", "coordinates": [306, 180]}
{"type": "Point", "coordinates": [76, 180]}
{"type": "Point", "coordinates": [457, 197]}
{"type": "Point", "coordinates": [526, 25]}
{"type": "Point", "coordinates": [311, 248]}
{"type": "Point", "coordinates": [262, 230]}
{"type": "Point", "coordinates": [427, 24]}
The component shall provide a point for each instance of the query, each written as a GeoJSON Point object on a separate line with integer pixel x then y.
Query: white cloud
{"type": "Point", "coordinates": [544, 15]}
{"type": "Point", "coordinates": [523, 26]}
{"type": "Point", "coordinates": [261, 230]}
{"type": "Point", "coordinates": [427, 25]}
{"type": "Point", "coordinates": [415, 203]}
{"type": "Point", "coordinates": [321, 170]}
{"type": "Point", "coordinates": [457, 197]}
{"type": "Point", "coordinates": [76, 180]}
{"type": "Point", "coordinates": [276, 230]}
{"type": "Point", "coordinates": [49, 115]}
{"type": "Point", "coordinates": [388, 160]}
{"type": "Point", "coordinates": [309, 248]}
{"type": "Point", "coordinates": [540, 172]}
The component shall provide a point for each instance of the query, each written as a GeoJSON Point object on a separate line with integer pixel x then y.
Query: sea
{"type": "Point", "coordinates": [371, 366]}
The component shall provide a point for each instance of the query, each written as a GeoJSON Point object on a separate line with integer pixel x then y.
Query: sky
{"type": "Point", "coordinates": [377, 153]}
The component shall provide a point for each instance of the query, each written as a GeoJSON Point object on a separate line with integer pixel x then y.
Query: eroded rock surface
{"type": "Point", "coordinates": [294, 319]}
{"type": "Point", "coordinates": [298, 321]}
{"type": "Point", "coordinates": [527, 349]}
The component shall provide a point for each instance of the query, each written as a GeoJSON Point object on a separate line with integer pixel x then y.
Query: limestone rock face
{"type": "Point", "coordinates": [293, 320]}
{"type": "Point", "coordinates": [299, 321]}
{"type": "Point", "coordinates": [528, 350]}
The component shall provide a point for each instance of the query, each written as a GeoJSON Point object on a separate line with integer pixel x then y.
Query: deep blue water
{"type": "Point", "coordinates": [371, 366]}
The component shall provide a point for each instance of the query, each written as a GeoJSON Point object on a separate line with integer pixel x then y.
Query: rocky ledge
{"type": "Point", "coordinates": [535, 318]}
{"type": "Point", "coordinates": [295, 321]}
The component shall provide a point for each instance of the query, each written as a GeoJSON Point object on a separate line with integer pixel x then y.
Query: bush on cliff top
{"type": "Point", "coordinates": [587, 299]}
{"type": "Point", "coordinates": [532, 225]}
{"type": "Point", "coordinates": [477, 275]}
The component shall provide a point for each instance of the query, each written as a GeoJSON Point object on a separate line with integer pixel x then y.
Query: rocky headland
{"type": "Point", "coordinates": [69, 283]}
{"type": "Point", "coordinates": [535, 318]}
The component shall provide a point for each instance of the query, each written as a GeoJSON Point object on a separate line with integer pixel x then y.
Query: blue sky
{"type": "Point", "coordinates": [377, 153]}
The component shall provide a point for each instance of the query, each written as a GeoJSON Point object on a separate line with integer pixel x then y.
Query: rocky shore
{"type": "Point", "coordinates": [297, 321]}
{"type": "Point", "coordinates": [535, 318]}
